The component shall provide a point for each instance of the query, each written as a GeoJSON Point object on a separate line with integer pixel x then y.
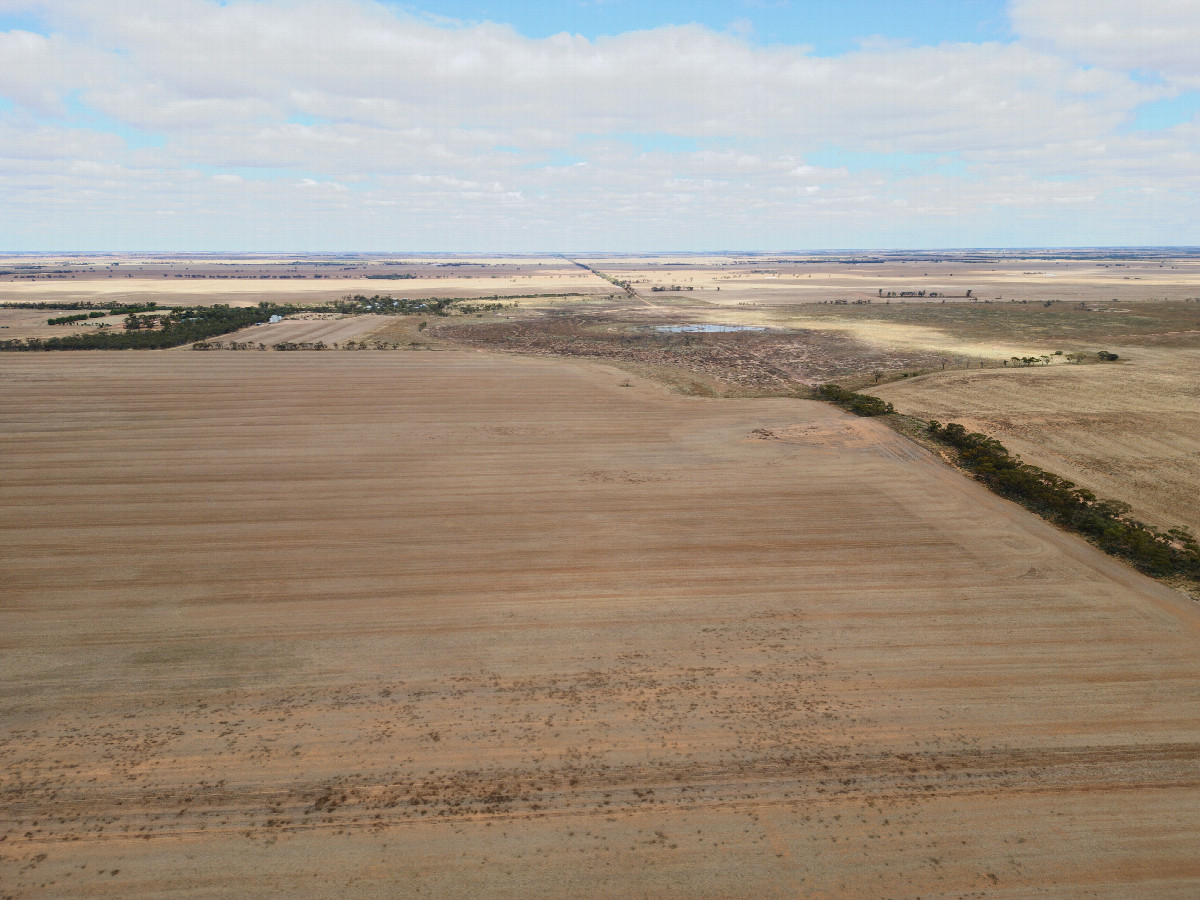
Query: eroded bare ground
{"type": "Point", "coordinates": [380, 624]}
{"type": "Point", "coordinates": [723, 362]}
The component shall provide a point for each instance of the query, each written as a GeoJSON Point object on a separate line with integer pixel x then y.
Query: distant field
{"type": "Point", "coordinates": [240, 281]}
{"type": "Point", "coordinates": [458, 623]}
{"type": "Point", "coordinates": [745, 282]}
{"type": "Point", "coordinates": [249, 292]}
{"type": "Point", "coordinates": [772, 280]}
{"type": "Point", "coordinates": [994, 332]}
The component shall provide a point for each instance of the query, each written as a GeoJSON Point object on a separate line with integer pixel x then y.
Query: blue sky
{"type": "Point", "coordinates": [501, 125]}
{"type": "Point", "coordinates": [831, 27]}
{"type": "Point", "coordinates": [1167, 113]}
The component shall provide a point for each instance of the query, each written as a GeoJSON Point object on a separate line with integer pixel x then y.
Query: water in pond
{"type": "Point", "coordinates": [708, 328]}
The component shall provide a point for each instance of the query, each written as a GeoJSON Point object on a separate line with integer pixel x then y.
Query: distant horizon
{"type": "Point", "coordinates": [1181, 248]}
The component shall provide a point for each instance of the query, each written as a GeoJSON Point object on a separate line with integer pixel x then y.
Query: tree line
{"type": "Point", "coordinates": [1106, 522]}
{"type": "Point", "coordinates": [84, 304]}
{"type": "Point", "coordinates": [359, 304]}
{"type": "Point", "coordinates": [66, 320]}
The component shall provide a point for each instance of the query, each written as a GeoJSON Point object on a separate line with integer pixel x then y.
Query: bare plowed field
{"type": "Point", "coordinates": [459, 624]}
{"type": "Point", "coordinates": [308, 328]}
{"type": "Point", "coordinates": [1129, 431]}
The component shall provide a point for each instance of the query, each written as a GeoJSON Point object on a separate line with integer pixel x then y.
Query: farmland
{"type": "Point", "coordinates": [249, 280]}
{"type": "Point", "coordinates": [575, 603]}
{"type": "Point", "coordinates": [768, 281]}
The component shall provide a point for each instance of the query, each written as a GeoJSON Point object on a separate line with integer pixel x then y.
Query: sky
{"type": "Point", "coordinates": [507, 126]}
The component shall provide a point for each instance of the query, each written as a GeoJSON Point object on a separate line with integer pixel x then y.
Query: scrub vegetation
{"type": "Point", "coordinates": [1105, 522]}
{"type": "Point", "coordinates": [859, 404]}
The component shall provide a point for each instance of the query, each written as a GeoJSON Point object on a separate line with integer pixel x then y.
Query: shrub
{"type": "Point", "coordinates": [859, 404]}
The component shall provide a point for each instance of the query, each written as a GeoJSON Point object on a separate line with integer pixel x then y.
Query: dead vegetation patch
{"type": "Point", "coordinates": [727, 363]}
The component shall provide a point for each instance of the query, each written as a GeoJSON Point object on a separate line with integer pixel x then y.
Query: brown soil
{"type": "Point", "coordinates": [380, 624]}
{"type": "Point", "coordinates": [327, 328]}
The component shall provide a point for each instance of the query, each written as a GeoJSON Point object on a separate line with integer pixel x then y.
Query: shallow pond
{"type": "Point", "coordinates": [708, 328]}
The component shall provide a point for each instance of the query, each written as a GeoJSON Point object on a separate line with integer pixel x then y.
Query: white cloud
{"type": "Point", "coordinates": [1150, 35]}
{"type": "Point", "coordinates": [479, 136]}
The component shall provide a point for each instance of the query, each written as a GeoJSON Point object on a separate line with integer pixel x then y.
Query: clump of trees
{"type": "Point", "coordinates": [134, 322]}
{"type": "Point", "coordinates": [369, 345]}
{"type": "Point", "coordinates": [1103, 356]}
{"type": "Point", "coordinates": [56, 304]}
{"type": "Point", "coordinates": [1106, 522]}
{"type": "Point", "coordinates": [230, 345]}
{"type": "Point", "coordinates": [66, 320]}
{"type": "Point", "coordinates": [300, 345]}
{"type": "Point", "coordinates": [859, 404]}
{"type": "Point", "coordinates": [131, 309]}
{"type": "Point", "coordinates": [357, 304]}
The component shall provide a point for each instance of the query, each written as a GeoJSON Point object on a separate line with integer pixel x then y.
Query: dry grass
{"type": "Point", "coordinates": [711, 364]}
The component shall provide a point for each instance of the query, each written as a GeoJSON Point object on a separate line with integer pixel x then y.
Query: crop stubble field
{"type": "Point", "coordinates": [448, 623]}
